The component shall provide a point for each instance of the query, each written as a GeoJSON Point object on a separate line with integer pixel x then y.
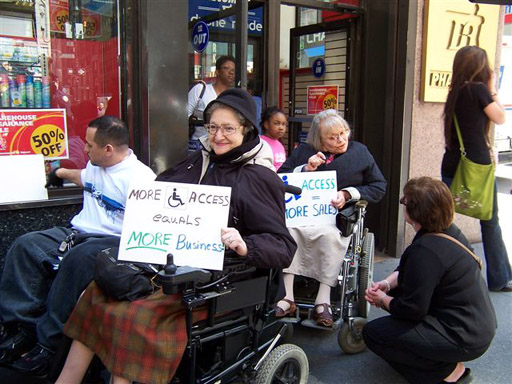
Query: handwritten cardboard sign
{"type": "Point", "coordinates": [313, 205]}
{"type": "Point", "coordinates": [183, 219]}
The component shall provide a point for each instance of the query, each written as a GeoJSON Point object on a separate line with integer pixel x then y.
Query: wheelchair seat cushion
{"type": "Point", "coordinates": [142, 341]}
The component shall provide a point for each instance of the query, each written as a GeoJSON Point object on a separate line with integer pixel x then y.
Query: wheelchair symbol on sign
{"type": "Point", "coordinates": [297, 197]}
{"type": "Point", "coordinates": [174, 200]}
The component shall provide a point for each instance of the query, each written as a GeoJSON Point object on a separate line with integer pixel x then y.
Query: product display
{"type": "Point", "coordinates": [24, 91]}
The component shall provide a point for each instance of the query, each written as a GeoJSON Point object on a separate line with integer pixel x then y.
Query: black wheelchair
{"type": "Point", "coordinates": [240, 340]}
{"type": "Point", "coordinates": [349, 308]}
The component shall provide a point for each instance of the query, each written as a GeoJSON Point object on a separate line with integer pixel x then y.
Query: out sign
{"type": "Point", "coordinates": [200, 36]}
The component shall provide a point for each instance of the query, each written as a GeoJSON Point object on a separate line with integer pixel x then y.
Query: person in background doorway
{"type": "Point", "coordinates": [274, 124]}
{"type": "Point", "coordinates": [473, 99]}
{"type": "Point", "coordinates": [440, 310]}
{"type": "Point", "coordinates": [224, 78]}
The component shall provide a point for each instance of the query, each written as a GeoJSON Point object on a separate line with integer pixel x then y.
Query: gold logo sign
{"type": "Point", "coordinates": [450, 25]}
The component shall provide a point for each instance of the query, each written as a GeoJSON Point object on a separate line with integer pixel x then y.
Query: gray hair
{"type": "Point", "coordinates": [241, 119]}
{"type": "Point", "coordinates": [323, 122]}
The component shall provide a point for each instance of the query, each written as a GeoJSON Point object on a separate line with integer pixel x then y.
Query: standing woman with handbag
{"type": "Point", "coordinates": [473, 101]}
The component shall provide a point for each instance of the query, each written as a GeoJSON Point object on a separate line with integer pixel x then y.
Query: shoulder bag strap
{"type": "Point", "coordinates": [461, 144]}
{"type": "Point", "coordinates": [200, 97]}
{"type": "Point", "coordinates": [448, 237]}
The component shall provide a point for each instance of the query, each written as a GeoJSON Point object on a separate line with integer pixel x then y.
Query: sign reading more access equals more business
{"type": "Point", "coordinates": [177, 218]}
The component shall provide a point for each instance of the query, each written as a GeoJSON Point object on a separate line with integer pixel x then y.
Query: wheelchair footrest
{"type": "Point", "coordinates": [312, 324]}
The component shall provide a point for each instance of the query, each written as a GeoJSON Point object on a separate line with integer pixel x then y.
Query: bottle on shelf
{"type": "Point", "coordinates": [14, 94]}
{"type": "Point", "coordinates": [20, 80]}
{"type": "Point", "coordinates": [46, 91]}
{"type": "Point", "coordinates": [4, 91]}
{"type": "Point", "coordinates": [30, 92]}
{"type": "Point", "coordinates": [38, 94]}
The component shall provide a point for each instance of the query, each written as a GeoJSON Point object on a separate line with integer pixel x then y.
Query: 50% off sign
{"type": "Point", "coordinates": [49, 140]}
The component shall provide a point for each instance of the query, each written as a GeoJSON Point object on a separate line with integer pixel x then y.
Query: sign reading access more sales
{"type": "Point", "coordinates": [313, 205]}
{"type": "Point", "coordinates": [177, 218]}
{"type": "Point", "coordinates": [34, 131]}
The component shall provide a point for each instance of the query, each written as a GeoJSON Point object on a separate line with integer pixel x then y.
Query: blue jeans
{"type": "Point", "coordinates": [499, 272]}
{"type": "Point", "coordinates": [41, 285]}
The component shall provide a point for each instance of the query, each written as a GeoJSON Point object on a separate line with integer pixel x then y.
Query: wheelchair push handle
{"type": "Point", "coordinates": [292, 189]}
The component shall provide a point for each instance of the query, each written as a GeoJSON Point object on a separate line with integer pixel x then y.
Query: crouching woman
{"type": "Point", "coordinates": [441, 313]}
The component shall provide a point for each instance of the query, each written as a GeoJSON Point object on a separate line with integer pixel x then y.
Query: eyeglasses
{"type": "Point", "coordinates": [228, 69]}
{"type": "Point", "coordinates": [339, 137]}
{"type": "Point", "coordinates": [226, 130]}
{"type": "Point", "coordinates": [403, 201]}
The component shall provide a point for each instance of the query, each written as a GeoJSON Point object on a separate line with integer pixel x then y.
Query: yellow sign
{"type": "Point", "coordinates": [450, 25]}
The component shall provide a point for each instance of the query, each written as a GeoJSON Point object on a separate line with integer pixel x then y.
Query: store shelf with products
{"type": "Point", "coordinates": [23, 83]}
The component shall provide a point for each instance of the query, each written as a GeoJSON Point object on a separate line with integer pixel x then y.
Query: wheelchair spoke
{"type": "Point", "coordinates": [288, 374]}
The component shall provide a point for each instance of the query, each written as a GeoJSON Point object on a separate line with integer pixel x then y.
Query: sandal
{"type": "Point", "coordinates": [280, 312]}
{"type": "Point", "coordinates": [323, 318]}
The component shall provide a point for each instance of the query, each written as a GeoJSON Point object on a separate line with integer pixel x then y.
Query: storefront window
{"type": "Point", "coordinates": [59, 70]}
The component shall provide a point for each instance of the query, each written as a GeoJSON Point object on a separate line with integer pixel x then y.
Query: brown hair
{"type": "Point", "coordinates": [470, 65]}
{"type": "Point", "coordinates": [429, 203]}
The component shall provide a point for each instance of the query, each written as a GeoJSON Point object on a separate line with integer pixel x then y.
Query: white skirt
{"type": "Point", "coordinates": [320, 252]}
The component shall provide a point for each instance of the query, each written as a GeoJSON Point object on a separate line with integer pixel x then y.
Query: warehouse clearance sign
{"type": "Point", "coordinates": [34, 131]}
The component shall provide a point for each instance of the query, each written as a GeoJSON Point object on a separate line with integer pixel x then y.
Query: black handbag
{"type": "Point", "coordinates": [346, 218]}
{"type": "Point", "coordinates": [124, 280]}
{"type": "Point", "coordinates": [193, 120]}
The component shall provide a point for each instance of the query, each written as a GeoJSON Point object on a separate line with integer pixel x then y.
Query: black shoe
{"type": "Point", "coordinates": [13, 345]}
{"type": "Point", "coordinates": [36, 362]}
{"type": "Point", "coordinates": [507, 287]}
{"type": "Point", "coordinates": [466, 378]}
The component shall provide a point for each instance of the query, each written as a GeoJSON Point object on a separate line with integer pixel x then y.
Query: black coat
{"type": "Point", "coordinates": [257, 207]}
{"type": "Point", "coordinates": [439, 283]}
{"type": "Point", "coordinates": [354, 168]}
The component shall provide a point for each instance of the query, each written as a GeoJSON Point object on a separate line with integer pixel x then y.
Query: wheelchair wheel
{"type": "Point", "coordinates": [365, 273]}
{"type": "Point", "coordinates": [287, 363]}
{"type": "Point", "coordinates": [350, 343]}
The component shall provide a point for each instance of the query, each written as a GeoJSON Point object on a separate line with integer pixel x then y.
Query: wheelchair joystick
{"type": "Point", "coordinates": [170, 268]}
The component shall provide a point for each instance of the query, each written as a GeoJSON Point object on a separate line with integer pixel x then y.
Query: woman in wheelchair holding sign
{"type": "Point", "coordinates": [144, 340]}
{"type": "Point", "coordinates": [321, 248]}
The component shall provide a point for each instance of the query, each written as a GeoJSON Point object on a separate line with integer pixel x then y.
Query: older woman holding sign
{"type": "Point", "coordinates": [144, 340]}
{"type": "Point", "coordinates": [321, 248]}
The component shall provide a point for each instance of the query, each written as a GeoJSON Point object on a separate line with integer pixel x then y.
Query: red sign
{"type": "Point", "coordinates": [34, 131]}
{"type": "Point", "coordinates": [59, 16]}
{"type": "Point", "coordinates": [322, 97]}
{"type": "Point", "coordinates": [508, 14]}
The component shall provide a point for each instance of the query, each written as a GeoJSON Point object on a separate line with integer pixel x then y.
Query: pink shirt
{"type": "Point", "coordinates": [278, 149]}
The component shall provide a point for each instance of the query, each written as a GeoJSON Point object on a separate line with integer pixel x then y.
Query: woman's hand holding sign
{"type": "Point", "coordinates": [232, 239]}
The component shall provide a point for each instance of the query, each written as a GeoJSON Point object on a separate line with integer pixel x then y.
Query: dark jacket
{"type": "Point", "coordinates": [439, 283]}
{"type": "Point", "coordinates": [354, 168]}
{"type": "Point", "coordinates": [257, 199]}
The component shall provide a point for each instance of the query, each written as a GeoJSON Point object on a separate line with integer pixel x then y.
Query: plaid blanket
{"type": "Point", "coordinates": [142, 341]}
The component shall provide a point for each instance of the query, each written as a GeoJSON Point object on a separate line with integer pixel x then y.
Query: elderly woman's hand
{"type": "Point", "coordinates": [315, 161]}
{"type": "Point", "coordinates": [375, 296]}
{"type": "Point", "coordinates": [341, 199]}
{"type": "Point", "coordinates": [233, 240]}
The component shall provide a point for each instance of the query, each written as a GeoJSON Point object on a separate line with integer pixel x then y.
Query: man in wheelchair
{"type": "Point", "coordinates": [144, 340]}
{"type": "Point", "coordinates": [321, 248]}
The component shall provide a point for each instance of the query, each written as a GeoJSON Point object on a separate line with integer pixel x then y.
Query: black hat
{"type": "Point", "coordinates": [239, 100]}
